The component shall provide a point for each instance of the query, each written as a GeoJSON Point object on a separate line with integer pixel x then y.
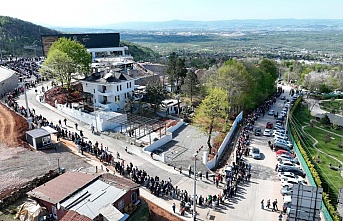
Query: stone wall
{"type": "Point", "coordinates": [20, 192]}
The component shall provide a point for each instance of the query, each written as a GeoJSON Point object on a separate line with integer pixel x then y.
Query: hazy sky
{"type": "Point", "coordinates": [90, 13]}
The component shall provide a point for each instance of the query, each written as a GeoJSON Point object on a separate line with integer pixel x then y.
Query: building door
{"type": "Point", "coordinates": [54, 212]}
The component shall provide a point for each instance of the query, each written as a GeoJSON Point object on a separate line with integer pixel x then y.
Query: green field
{"type": "Point", "coordinates": [332, 177]}
{"type": "Point", "coordinates": [332, 106]}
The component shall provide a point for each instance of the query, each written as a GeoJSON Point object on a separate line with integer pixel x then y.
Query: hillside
{"type": "Point", "coordinates": [140, 53]}
{"type": "Point", "coordinates": [18, 37]}
{"type": "Point", "coordinates": [22, 38]}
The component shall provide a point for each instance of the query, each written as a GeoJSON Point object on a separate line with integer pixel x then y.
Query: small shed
{"type": "Point", "coordinates": [39, 138]}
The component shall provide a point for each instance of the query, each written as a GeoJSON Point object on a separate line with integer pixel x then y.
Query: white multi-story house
{"type": "Point", "coordinates": [110, 91]}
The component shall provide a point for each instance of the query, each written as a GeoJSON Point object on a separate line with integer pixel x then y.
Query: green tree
{"type": "Point", "coordinates": [176, 70]}
{"type": "Point", "coordinates": [269, 66]}
{"type": "Point", "coordinates": [191, 85]}
{"type": "Point", "coordinates": [212, 108]}
{"type": "Point", "coordinates": [58, 66]}
{"type": "Point", "coordinates": [76, 51]}
{"type": "Point", "coordinates": [155, 94]}
{"type": "Point", "coordinates": [233, 78]}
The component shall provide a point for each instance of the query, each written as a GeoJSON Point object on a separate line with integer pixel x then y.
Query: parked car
{"type": "Point", "coordinates": [283, 97]}
{"type": "Point", "coordinates": [278, 127]}
{"type": "Point", "coordinates": [267, 132]}
{"type": "Point", "coordinates": [290, 175]}
{"type": "Point", "coordinates": [258, 132]}
{"type": "Point", "coordinates": [269, 125]}
{"type": "Point", "coordinates": [280, 152]}
{"type": "Point", "coordinates": [284, 157]}
{"type": "Point", "coordinates": [283, 113]}
{"type": "Point", "coordinates": [290, 182]}
{"type": "Point", "coordinates": [279, 133]}
{"type": "Point", "coordinates": [294, 170]}
{"type": "Point", "coordinates": [288, 163]}
{"type": "Point", "coordinates": [271, 112]}
{"type": "Point", "coordinates": [255, 153]}
{"type": "Point", "coordinates": [285, 191]}
{"type": "Point", "coordinates": [283, 140]}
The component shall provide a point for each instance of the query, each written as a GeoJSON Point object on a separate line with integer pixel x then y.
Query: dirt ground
{"type": "Point", "coordinates": [19, 164]}
{"type": "Point", "coordinates": [12, 127]}
{"type": "Point", "coordinates": [160, 214]}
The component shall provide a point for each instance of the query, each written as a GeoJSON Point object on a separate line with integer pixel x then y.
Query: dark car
{"type": "Point", "coordinates": [258, 132]}
{"type": "Point", "coordinates": [269, 125]}
{"type": "Point", "coordinates": [292, 169]}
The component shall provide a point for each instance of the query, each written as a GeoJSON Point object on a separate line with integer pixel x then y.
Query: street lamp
{"type": "Point", "coordinates": [195, 184]}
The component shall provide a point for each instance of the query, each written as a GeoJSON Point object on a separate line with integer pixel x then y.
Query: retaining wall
{"type": "Point", "coordinates": [225, 144]}
{"type": "Point", "coordinates": [21, 191]}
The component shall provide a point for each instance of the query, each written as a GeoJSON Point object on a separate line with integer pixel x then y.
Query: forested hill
{"type": "Point", "coordinates": [141, 53]}
{"type": "Point", "coordinates": [18, 37]}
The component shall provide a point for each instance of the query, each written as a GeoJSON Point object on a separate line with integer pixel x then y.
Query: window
{"type": "Point", "coordinates": [118, 98]}
{"type": "Point", "coordinates": [120, 87]}
{"type": "Point", "coordinates": [130, 84]}
{"type": "Point", "coordinates": [117, 87]}
{"type": "Point", "coordinates": [134, 197]}
{"type": "Point", "coordinates": [121, 204]}
{"type": "Point", "coordinates": [46, 140]}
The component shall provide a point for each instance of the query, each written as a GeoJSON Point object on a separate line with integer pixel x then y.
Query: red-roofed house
{"type": "Point", "coordinates": [53, 192]}
{"type": "Point", "coordinates": [74, 216]}
{"type": "Point", "coordinates": [97, 197]}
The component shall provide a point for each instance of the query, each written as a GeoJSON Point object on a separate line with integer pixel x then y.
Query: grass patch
{"type": "Point", "coordinates": [332, 179]}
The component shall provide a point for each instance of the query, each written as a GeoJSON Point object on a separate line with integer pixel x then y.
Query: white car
{"type": "Point", "coordinates": [279, 133]}
{"type": "Point", "coordinates": [271, 112]}
{"type": "Point", "coordinates": [290, 182]}
{"type": "Point", "coordinates": [287, 105]}
{"type": "Point", "coordinates": [283, 140]}
{"type": "Point", "coordinates": [284, 157]}
{"type": "Point", "coordinates": [290, 175]}
{"type": "Point", "coordinates": [267, 132]}
{"type": "Point", "coordinates": [283, 113]}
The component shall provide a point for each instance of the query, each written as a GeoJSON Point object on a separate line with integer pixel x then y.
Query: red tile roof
{"type": "Point", "coordinates": [74, 216]}
{"type": "Point", "coordinates": [62, 186]}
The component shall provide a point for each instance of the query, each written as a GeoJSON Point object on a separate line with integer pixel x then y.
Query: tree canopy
{"type": "Point", "coordinates": [176, 70]}
{"type": "Point", "coordinates": [76, 51]}
{"type": "Point", "coordinates": [211, 110]}
{"type": "Point", "coordinates": [66, 57]}
{"type": "Point", "coordinates": [155, 94]}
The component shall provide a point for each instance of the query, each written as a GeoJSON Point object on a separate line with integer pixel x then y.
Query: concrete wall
{"type": "Point", "coordinates": [225, 144]}
{"type": "Point", "coordinates": [175, 127]}
{"type": "Point", "coordinates": [102, 124]}
{"type": "Point", "coordinates": [163, 140]}
{"type": "Point", "coordinates": [8, 81]}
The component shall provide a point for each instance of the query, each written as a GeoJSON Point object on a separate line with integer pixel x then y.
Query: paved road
{"type": "Point", "coordinates": [246, 206]}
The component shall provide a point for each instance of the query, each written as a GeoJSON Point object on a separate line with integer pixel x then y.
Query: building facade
{"type": "Point", "coordinates": [110, 91]}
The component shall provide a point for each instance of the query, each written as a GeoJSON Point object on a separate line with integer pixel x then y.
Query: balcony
{"type": "Point", "coordinates": [105, 92]}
